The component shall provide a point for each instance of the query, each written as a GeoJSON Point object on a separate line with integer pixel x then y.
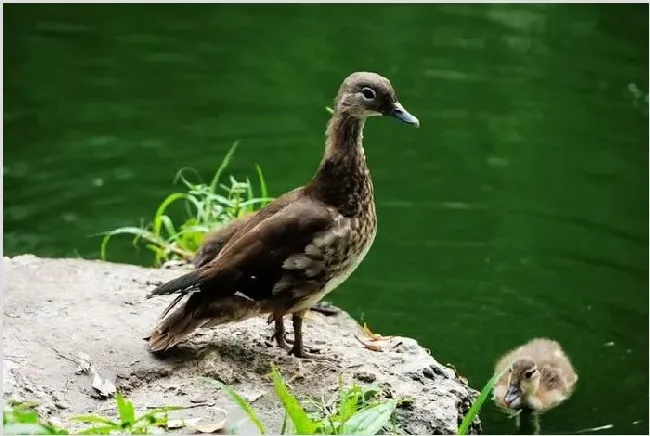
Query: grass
{"type": "Point", "coordinates": [356, 410]}
{"type": "Point", "coordinates": [22, 418]}
{"type": "Point", "coordinates": [207, 206]}
{"type": "Point", "coordinates": [478, 403]}
{"type": "Point", "coordinates": [353, 411]}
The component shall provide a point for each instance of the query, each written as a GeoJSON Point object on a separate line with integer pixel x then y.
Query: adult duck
{"type": "Point", "coordinates": [291, 253]}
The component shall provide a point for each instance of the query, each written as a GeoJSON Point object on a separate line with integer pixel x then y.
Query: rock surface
{"type": "Point", "coordinates": [56, 308]}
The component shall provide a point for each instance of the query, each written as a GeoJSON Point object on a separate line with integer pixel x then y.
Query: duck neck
{"type": "Point", "coordinates": [343, 178]}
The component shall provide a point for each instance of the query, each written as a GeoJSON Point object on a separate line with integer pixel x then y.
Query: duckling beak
{"type": "Point", "coordinates": [400, 113]}
{"type": "Point", "coordinates": [513, 397]}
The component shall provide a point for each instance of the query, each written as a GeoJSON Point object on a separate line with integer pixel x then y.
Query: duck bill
{"type": "Point", "coordinates": [513, 397]}
{"type": "Point", "coordinates": [402, 114]}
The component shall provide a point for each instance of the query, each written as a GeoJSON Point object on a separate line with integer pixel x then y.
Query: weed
{"type": "Point", "coordinates": [207, 207]}
{"type": "Point", "coordinates": [478, 403]}
{"type": "Point", "coordinates": [356, 411]}
{"type": "Point", "coordinates": [21, 418]}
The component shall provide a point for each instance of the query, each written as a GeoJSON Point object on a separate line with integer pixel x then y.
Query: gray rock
{"type": "Point", "coordinates": [56, 308]}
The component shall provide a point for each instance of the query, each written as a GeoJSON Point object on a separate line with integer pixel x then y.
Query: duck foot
{"type": "Point", "coordinates": [298, 349]}
{"type": "Point", "coordinates": [310, 355]}
{"type": "Point", "coordinates": [280, 335]}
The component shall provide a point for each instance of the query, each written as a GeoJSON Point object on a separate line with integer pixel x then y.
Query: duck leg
{"type": "Point", "coordinates": [298, 349]}
{"type": "Point", "coordinates": [280, 334]}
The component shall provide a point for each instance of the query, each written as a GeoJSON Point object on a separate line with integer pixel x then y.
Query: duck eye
{"type": "Point", "coordinates": [368, 93]}
{"type": "Point", "coordinates": [529, 374]}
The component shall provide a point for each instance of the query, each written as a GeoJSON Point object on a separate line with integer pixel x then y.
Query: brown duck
{"type": "Point", "coordinates": [290, 254]}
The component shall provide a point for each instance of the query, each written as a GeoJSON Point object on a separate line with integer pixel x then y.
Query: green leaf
{"type": "Point", "coordinates": [160, 212]}
{"type": "Point", "coordinates": [125, 409]}
{"type": "Point", "coordinates": [264, 192]}
{"type": "Point", "coordinates": [369, 420]}
{"type": "Point", "coordinates": [478, 403]}
{"type": "Point", "coordinates": [101, 429]}
{"type": "Point", "coordinates": [283, 429]}
{"type": "Point", "coordinates": [26, 429]}
{"type": "Point", "coordinates": [25, 416]}
{"type": "Point", "coordinates": [93, 419]}
{"type": "Point", "coordinates": [242, 403]}
{"type": "Point", "coordinates": [224, 163]}
{"type": "Point", "coordinates": [348, 402]}
{"type": "Point", "coordinates": [301, 421]}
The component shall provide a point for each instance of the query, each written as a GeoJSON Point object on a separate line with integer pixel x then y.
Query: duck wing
{"type": "Point", "coordinates": [214, 241]}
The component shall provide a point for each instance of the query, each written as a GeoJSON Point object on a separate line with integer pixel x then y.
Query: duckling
{"type": "Point", "coordinates": [290, 254]}
{"type": "Point", "coordinates": [539, 376]}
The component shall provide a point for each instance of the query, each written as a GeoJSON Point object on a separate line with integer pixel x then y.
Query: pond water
{"type": "Point", "coordinates": [518, 209]}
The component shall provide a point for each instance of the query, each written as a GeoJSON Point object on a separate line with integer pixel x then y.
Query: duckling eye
{"type": "Point", "coordinates": [529, 374]}
{"type": "Point", "coordinates": [368, 93]}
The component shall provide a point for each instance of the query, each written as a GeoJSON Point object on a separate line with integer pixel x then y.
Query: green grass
{"type": "Point", "coordinates": [206, 206]}
{"type": "Point", "coordinates": [478, 403]}
{"type": "Point", "coordinates": [356, 410]}
{"type": "Point", "coordinates": [22, 418]}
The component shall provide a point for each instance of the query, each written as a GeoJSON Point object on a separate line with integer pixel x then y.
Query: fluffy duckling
{"type": "Point", "coordinates": [539, 376]}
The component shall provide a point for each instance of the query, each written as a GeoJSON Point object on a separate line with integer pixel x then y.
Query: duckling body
{"type": "Point", "coordinates": [303, 245]}
{"type": "Point", "coordinates": [539, 376]}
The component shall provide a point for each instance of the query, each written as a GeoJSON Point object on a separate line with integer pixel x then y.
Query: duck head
{"type": "Point", "coordinates": [523, 382]}
{"type": "Point", "coordinates": [364, 94]}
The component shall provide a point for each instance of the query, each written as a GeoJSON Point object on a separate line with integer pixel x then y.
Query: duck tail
{"type": "Point", "coordinates": [173, 328]}
{"type": "Point", "coordinates": [180, 284]}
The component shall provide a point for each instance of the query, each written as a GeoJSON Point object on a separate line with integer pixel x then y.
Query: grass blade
{"type": "Point", "coordinates": [302, 423]}
{"type": "Point", "coordinates": [283, 429]}
{"type": "Point", "coordinates": [125, 409]}
{"type": "Point", "coordinates": [370, 420]}
{"type": "Point", "coordinates": [478, 403]}
{"type": "Point", "coordinates": [242, 403]}
{"type": "Point", "coordinates": [160, 212]}
{"type": "Point", "coordinates": [224, 163]}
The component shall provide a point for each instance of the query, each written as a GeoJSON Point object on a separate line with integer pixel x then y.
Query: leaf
{"type": "Point", "coordinates": [302, 423]}
{"type": "Point", "coordinates": [102, 429]}
{"type": "Point", "coordinates": [242, 403]}
{"type": "Point", "coordinates": [224, 164]}
{"type": "Point", "coordinates": [210, 427]}
{"type": "Point", "coordinates": [348, 402]}
{"type": "Point", "coordinates": [370, 420]}
{"type": "Point", "coordinates": [93, 419]}
{"type": "Point", "coordinates": [478, 403]}
{"type": "Point", "coordinates": [125, 409]}
{"type": "Point", "coordinates": [160, 212]}
{"type": "Point", "coordinates": [26, 429]}
{"type": "Point", "coordinates": [179, 423]}
{"type": "Point", "coordinates": [264, 192]}
{"type": "Point", "coordinates": [283, 429]}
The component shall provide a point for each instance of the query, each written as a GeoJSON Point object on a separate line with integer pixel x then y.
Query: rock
{"type": "Point", "coordinates": [55, 309]}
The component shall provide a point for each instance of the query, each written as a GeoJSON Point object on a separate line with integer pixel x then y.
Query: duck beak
{"type": "Point", "coordinates": [400, 113]}
{"type": "Point", "coordinates": [513, 397]}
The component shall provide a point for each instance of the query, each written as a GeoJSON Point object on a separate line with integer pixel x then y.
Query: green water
{"type": "Point", "coordinates": [519, 209]}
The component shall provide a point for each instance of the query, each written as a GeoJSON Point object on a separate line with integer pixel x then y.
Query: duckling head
{"type": "Point", "coordinates": [523, 382]}
{"type": "Point", "coordinates": [364, 94]}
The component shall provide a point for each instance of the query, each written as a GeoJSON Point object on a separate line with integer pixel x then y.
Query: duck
{"type": "Point", "coordinates": [536, 376]}
{"type": "Point", "coordinates": [287, 256]}
{"type": "Point", "coordinates": [214, 241]}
